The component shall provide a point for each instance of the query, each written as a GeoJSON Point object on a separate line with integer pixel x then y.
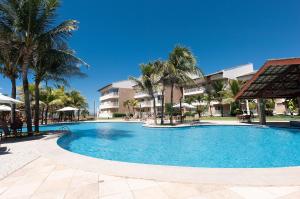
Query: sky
{"type": "Point", "coordinates": [116, 36]}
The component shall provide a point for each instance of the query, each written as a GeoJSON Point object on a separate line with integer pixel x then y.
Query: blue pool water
{"type": "Point", "coordinates": [203, 146]}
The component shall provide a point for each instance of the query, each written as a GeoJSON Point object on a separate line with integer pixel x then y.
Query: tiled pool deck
{"type": "Point", "coordinates": [51, 172]}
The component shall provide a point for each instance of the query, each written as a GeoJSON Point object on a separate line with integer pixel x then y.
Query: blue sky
{"type": "Point", "coordinates": [116, 36]}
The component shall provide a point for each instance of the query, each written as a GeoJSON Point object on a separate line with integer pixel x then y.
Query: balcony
{"type": "Point", "coordinates": [193, 91]}
{"type": "Point", "coordinates": [108, 105]}
{"type": "Point", "coordinates": [149, 103]}
{"type": "Point", "coordinates": [109, 96]}
{"type": "Point", "coordinates": [140, 95]}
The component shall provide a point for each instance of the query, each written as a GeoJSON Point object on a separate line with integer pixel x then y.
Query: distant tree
{"type": "Point", "coordinates": [291, 105]}
{"type": "Point", "coordinates": [182, 64]}
{"type": "Point", "coordinates": [219, 90]}
{"type": "Point", "coordinates": [148, 83]}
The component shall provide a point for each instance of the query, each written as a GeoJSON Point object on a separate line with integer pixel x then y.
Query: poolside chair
{"type": "Point", "coordinates": [5, 131]}
{"type": "Point", "coordinates": [17, 126]}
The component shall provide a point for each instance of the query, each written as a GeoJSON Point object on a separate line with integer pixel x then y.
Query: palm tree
{"type": "Point", "coordinates": [148, 83]}
{"type": "Point", "coordinates": [77, 100]}
{"type": "Point", "coordinates": [9, 60]}
{"type": "Point", "coordinates": [133, 103]}
{"type": "Point", "coordinates": [126, 103]}
{"type": "Point", "coordinates": [198, 99]}
{"type": "Point", "coordinates": [182, 65]}
{"type": "Point", "coordinates": [232, 90]}
{"type": "Point", "coordinates": [219, 88]}
{"type": "Point", "coordinates": [30, 23]}
{"type": "Point", "coordinates": [53, 64]}
{"type": "Point", "coordinates": [162, 70]}
{"type": "Point", "coordinates": [208, 96]}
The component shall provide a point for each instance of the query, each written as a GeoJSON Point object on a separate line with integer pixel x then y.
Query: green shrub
{"type": "Point", "coordinates": [191, 114]}
{"type": "Point", "coordinates": [119, 114]}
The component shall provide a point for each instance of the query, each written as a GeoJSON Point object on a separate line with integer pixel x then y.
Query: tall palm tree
{"type": "Point", "coordinates": [53, 64]}
{"type": "Point", "coordinates": [30, 22]}
{"type": "Point", "coordinates": [148, 83]}
{"type": "Point", "coordinates": [9, 60]}
{"type": "Point", "coordinates": [133, 103]}
{"type": "Point", "coordinates": [77, 100]}
{"type": "Point", "coordinates": [162, 69]}
{"type": "Point", "coordinates": [182, 65]}
{"type": "Point", "coordinates": [233, 89]}
{"type": "Point", "coordinates": [198, 99]}
{"type": "Point", "coordinates": [126, 103]}
{"type": "Point", "coordinates": [219, 88]}
{"type": "Point", "coordinates": [208, 96]}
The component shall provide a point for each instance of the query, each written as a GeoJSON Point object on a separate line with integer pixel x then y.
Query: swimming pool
{"type": "Point", "coordinates": [201, 146]}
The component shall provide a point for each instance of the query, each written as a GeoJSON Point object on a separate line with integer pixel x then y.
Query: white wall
{"type": "Point", "coordinates": [235, 72]}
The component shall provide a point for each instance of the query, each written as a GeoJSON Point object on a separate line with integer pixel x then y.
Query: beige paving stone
{"type": "Point", "coordinates": [281, 191]}
{"type": "Point", "coordinates": [179, 191]}
{"type": "Point", "coordinates": [295, 195]}
{"type": "Point", "coordinates": [150, 193]}
{"type": "Point", "coordinates": [140, 183]}
{"type": "Point", "coordinates": [87, 191]}
{"type": "Point", "coordinates": [222, 194]}
{"type": "Point", "coordinates": [253, 192]}
{"type": "Point", "coordinates": [106, 178]}
{"type": "Point", "coordinates": [126, 195]}
{"type": "Point", "coordinates": [56, 184]}
{"type": "Point", "coordinates": [113, 187]}
{"type": "Point", "coordinates": [203, 188]}
{"type": "Point", "coordinates": [21, 190]}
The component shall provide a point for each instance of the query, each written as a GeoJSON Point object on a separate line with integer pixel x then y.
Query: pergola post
{"type": "Point", "coordinates": [261, 111]}
{"type": "Point", "coordinates": [298, 100]}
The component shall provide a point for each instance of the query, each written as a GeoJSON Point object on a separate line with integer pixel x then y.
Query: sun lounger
{"type": "Point", "coordinates": [5, 131]}
{"type": "Point", "coordinates": [295, 123]}
{"type": "Point", "coordinates": [244, 118]}
{"type": "Point", "coordinates": [17, 126]}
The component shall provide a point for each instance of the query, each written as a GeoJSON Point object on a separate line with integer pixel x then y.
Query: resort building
{"type": "Point", "coordinates": [113, 96]}
{"type": "Point", "coordinates": [242, 72]}
{"type": "Point", "coordinates": [146, 103]}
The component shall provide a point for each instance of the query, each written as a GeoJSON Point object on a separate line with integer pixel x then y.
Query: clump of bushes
{"type": "Point", "coordinates": [119, 114]}
{"type": "Point", "coordinates": [190, 114]}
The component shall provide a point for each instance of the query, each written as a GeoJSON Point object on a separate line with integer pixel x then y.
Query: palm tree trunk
{"type": "Point", "coordinates": [172, 93]}
{"type": "Point", "coordinates": [222, 109]}
{"type": "Point", "coordinates": [154, 106]}
{"type": "Point", "coordinates": [46, 114]}
{"type": "Point", "coordinates": [162, 105]}
{"type": "Point", "coordinates": [78, 114]}
{"type": "Point", "coordinates": [37, 105]}
{"type": "Point", "coordinates": [180, 105]}
{"type": "Point", "coordinates": [13, 95]}
{"type": "Point", "coordinates": [210, 112]}
{"type": "Point", "coordinates": [43, 109]}
{"type": "Point", "coordinates": [26, 95]}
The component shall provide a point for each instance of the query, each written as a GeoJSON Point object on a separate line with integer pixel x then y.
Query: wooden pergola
{"type": "Point", "coordinates": [277, 78]}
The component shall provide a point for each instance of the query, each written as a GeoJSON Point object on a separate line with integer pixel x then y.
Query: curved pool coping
{"type": "Point", "coordinates": [226, 176]}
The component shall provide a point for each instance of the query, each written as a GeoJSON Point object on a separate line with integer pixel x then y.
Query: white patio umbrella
{"type": "Point", "coordinates": [8, 100]}
{"type": "Point", "coordinates": [184, 105]}
{"type": "Point", "coordinates": [68, 108]}
{"type": "Point", "coordinates": [4, 108]}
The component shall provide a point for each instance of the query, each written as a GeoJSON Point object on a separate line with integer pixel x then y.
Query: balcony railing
{"type": "Point", "coordinates": [145, 104]}
{"type": "Point", "coordinates": [109, 96]}
{"type": "Point", "coordinates": [193, 91]}
{"type": "Point", "coordinates": [144, 95]}
{"type": "Point", "coordinates": [107, 105]}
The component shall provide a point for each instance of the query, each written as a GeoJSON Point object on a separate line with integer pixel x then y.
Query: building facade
{"type": "Point", "coordinates": [145, 107]}
{"type": "Point", "coordinates": [215, 107]}
{"type": "Point", "coordinates": [113, 96]}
